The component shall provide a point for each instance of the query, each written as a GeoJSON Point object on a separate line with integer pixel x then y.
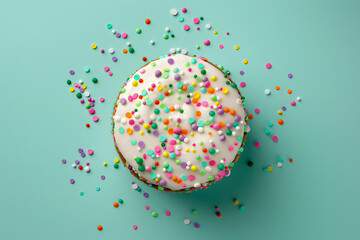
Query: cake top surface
{"type": "Point", "coordinates": [179, 123]}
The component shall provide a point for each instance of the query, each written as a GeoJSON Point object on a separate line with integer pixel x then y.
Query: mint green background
{"type": "Point", "coordinates": [315, 197]}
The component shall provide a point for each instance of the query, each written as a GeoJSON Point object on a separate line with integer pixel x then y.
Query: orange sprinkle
{"type": "Point", "coordinates": [166, 121]}
{"type": "Point", "coordinates": [209, 133]}
{"type": "Point", "coordinates": [124, 50]}
{"type": "Point", "coordinates": [99, 227]}
{"type": "Point", "coordinates": [289, 91]}
{"type": "Point", "coordinates": [198, 113]}
{"type": "Point", "coordinates": [184, 88]}
{"type": "Point", "coordinates": [129, 131]}
{"type": "Point", "coordinates": [226, 109]}
{"type": "Point", "coordinates": [172, 109]}
{"type": "Point", "coordinates": [277, 87]}
{"type": "Point", "coordinates": [222, 124]}
{"type": "Point", "coordinates": [128, 115]}
{"type": "Point", "coordinates": [170, 131]}
{"type": "Point", "coordinates": [195, 100]}
{"type": "Point", "coordinates": [250, 116]}
{"type": "Point", "coordinates": [232, 111]}
{"type": "Point", "coordinates": [115, 204]}
{"type": "Point", "coordinates": [280, 121]}
{"type": "Point", "coordinates": [184, 131]}
{"type": "Point", "coordinates": [211, 90]}
{"type": "Point", "coordinates": [147, 21]}
{"type": "Point", "coordinates": [179, 180]}
{"type": "Point", "coordinates": [174, 178]}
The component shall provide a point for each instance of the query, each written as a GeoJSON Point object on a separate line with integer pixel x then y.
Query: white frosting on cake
{"type": "Point", "coordinates": [205, 152]}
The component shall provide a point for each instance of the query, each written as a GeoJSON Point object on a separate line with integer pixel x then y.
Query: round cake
{"type": "Point", "coordinates": [179, 123]}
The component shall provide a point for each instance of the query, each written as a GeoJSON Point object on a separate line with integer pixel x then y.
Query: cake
{"type": "Point", "coordinates": [179, 123]}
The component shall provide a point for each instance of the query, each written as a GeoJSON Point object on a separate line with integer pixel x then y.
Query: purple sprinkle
{"type": "Point", "coordinates": [80, 150]}
{"type": "Point", "coordinates": [136, 127]}
{"type": "Point", "coordinates": [204, 79]}
{"type": "Point", "coordinates": [290, 75]}
{"type": "Point", "coordinates": [130, 167]}
{"type": "Point", "coordinates": [177, 77]}
{"type": "Point", "coordinates": [77, 161]}
{"type": "Point", "coordinates": [220, 111]}
{"type": "Point", "coordinates": [72, 181]}
{"type": "Point", "coordinates": [188, 101]}
{"type": "Point", "coordinates": [145, 194]}
{"type": "Point", "coordinates": [83, 154]}
{"type": "Point", "coordinates": [63, 161]}
{"type": "Point", "coordinates": [229, 125]}
{"type": "Point", "coordinates": [194, 126]}
{"type": "Point", "coordinates": [141, 144]}
{"type": "Point", "coordinates": [91, 104]}
{"type": "Point", "coordinates": [183, 164]}
{"type": "Point", "coordinates": [118, 35]}
{"type": "Point", "coordinates": [241, 72]}
{"type": "Point", "coordinates": [155, 132]}
{"type": "Point", "coordinates": [227, 172]}
{"type": "Point", "coordinates": [82, 90]}
{"type": "Point", "coordinates": [283, 108]}
{"type": "Point", "coordinates": [122, 101]}
{"type": "Point", "coordinates": [182, 137]}
{"type": "Point", "coordinates": [171, 61]}
{"type": "Point", "coordinates": [222, 137]}
{"type": "Point", "coordinates": [157, 73]}
{"type": "Point", "coordinates": [163, 182]}
{"type": "Point", "coordinates": [72, 72]}
{"type": "Point", "coordinates": [114, 59]}
{"type": "Point", "coordinates": [196, 225]}
{"type": "Point", "coordinates": [237, 118]}
{"type": "Point", "coordinates": [102, 177]}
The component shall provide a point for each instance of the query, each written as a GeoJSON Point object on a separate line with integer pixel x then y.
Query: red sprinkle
{"type": "Point", "coordinates": [144, 59]}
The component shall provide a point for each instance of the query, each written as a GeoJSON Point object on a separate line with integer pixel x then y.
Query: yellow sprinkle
{"type": "Point", "coordinates": [213, 78]}
{"type": "Point", "coordinates": [279, 112]}
{"type": "Point", "coordinates": [193, 150]}
{"type": "Point", "coordinates": [141, 132]}
{"type": "Point", "coordinates": [270, 169]}
{"type": "Point", "coordinates": [165, 154]}
{"type": "Point", "coordinates": [72, 89]}
{"type": "Point", "coordinates": [236, 47]}
{"type": "Point", "coordinates": [84, 86]}
{"type": "Point", "coordinates": [104, 163]}
{"type": "Point", "coordinates": [196, 95]}
{"type": "Point", "coordinates": [116, 160]}
{"type": "Point", "coordinates": [156, 179]}
{"type": "Point", "coordinates": [164, 86]}
{"type": "Point", "coordinates": [93, 46]}
{"type": "Point", "coordinates": [159, 88]}
{"type": "Point", "coordinates": [186, 149]}
{"type": "Point", "coordinates": [193, 84]}
{"type": "Point", "coordinates": [225, 90]}
{"type": "Point", "coordinates": [146, 125]}
{"type": "Point", "coordinates": [192, 134]}
{"type": "Point", "coordinates": [216, 103]}
{"type": "Point", "coordinates": [134, 83]}
{"type": "Point", "coordinates": [236, 201]}
{"type": "Point", "coordinates": [215, 32]}
{"type": "Point", "coordinates": [193, 167]}
{"type": "Point", "coordinates": [245, 61]}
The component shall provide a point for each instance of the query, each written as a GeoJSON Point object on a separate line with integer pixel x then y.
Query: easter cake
{"type": "Point", "coordinates": [179, 123]}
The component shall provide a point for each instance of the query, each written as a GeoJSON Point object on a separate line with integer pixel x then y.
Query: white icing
{"type": "Point", "coordinates": [221, 154]}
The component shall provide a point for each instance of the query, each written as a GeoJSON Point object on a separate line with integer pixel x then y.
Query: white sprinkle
{"type": "Point", "coordinates": [172, 50]}
{"type": "Point", "coordinates": [117, 118]}
{"type": "Point", "coordinates": [208, 168]}
{"type": "Point", "coordinates": [111, 50]}
{"type": "Point", "coordinates": [187, 221]}
{"type": "Point", "coordinates": [81, 81]}
{"type": "Point", "coordinates": [184, 51]}
{"type": "Point", "coordinates": [74, 165]}
{"type": "Point", "coordinates": [113, 31]}
{"type": "Point", "coordinates": [135, 186]}
{"type": "Point", "coordinates": [167, 29]}
{"type": "Point", "coordinates": [87, 169]}
{"type": "Point", "coordinates": [87, 94]}
{"type": "Point", "coordinates": [129, 44]}
{"type": "Point", "coordinates": [197, 185]}
{"type": "Point", "coordinates": [279, 164]}
{"type": "Point", "coordinates": [208, 26]}
{"type": "Point", "coordinates": [298, 98]}
{"type": "Point", "coordinates": [152, 42]}
{"type": "Point", "coordinates": [267, 91]}
{"type": "Point", "coordinates": [178, 50]}
{"type": "Point", "coordinates": [173, 12]}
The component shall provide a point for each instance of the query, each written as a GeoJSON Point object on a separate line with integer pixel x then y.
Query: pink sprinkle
{"type": "Point", "coordinates": [227, 33]}
{"type": "Point", "coordinates": [186, 27]}
{"type": "Point", "coordinates": [256, 144]}
{"type": "Point", "coordinates": [134, 226]}
{"type": "Point", "coordinates": [274, 138]}
{"type": "Point", "coordinates": [132, 182]}
{"type": "Point", "coordinates": [293, 103]}
{"type": "Point", "coordinates": [167, 212]}
{"type": "Point", "coordinates": [242, 84]}
{"type": "Point", "coordinates": [197, 28]}
{"type": "Point", "coordinates": [256, 110]}
{"type": "Point", "coordinates": [106, 68]}
{"type": "Point", "coordinates": [147, 168]}
{"type": "Point", "coordinates": [90, 151]}
{"type": "Point", "coordinates": [124, 35]}
{"type": "Point", "coordinates": [196, 20]}
{"type": "Point", "coordinates": [184, 10]}
{"type": "Point", "coordinates": [191, 177]}
{"type": "Point", "coordinates": [102, 99]}
{"type": "Point", "coordinates": [147, 207]}
{"type": "Point", "coordinates": [91, 111]}
{"type": "Point", "coordinates": [230, 148]}
{"type": "Point", "coordinates": [189, 69]}
{"type": "Point", "coordinates": [268, 65]}
{"type": "Point", "coordinates": [221, 46]}
{"type": "Point", "coordinates": [206, 42]}
{"type": "Point", "coordinates": [110, 73]}
{"type": "Point", "coordinates": [95, 118]}
{"type": "Point", "coordinates": [87, 163]}
{"type": "Point", "coordinates": [168, 175]}
{"type": "Point", "coordinates": [82, 101]}
{"type": "Point", "coordinates": [102, 50]}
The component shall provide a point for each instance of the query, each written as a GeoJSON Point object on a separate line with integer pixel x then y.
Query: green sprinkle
{"type": "Point", "coordinates": [165, 36]}
{"type": "Point", "coordinates": [120, 201]}
{"type": "Point", "coordinates": [154, 214]}
{"type": "Point", "coordinates": [68, 82]}
{"type": "Point", "coordinates": [116, 165]}
{"type": "Point", "coordinates": [138, 30]}
{"type": "Point", "coordinates": [79, 95]}
{"type": "Point", "coordinates": [131, 50]}
{"type": "Point", "coordinates": [195, 212]}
